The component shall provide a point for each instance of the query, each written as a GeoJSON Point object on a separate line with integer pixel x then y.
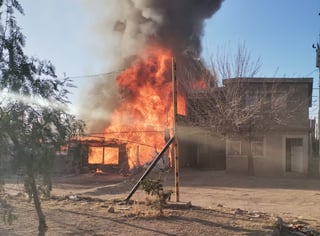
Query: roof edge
{"type": "Point", "coordinates": [269, 80]}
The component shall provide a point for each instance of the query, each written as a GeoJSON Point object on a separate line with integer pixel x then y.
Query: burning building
{"type": "Point", "coordinates": [137, 112]}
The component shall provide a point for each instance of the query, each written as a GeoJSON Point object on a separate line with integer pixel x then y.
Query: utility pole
{"type": "Point", "coordinates": [318, 65]}
{"type": "Point", "coordinates": [317, 47]}
{"type": "Point", "coordinates": [175, 143]}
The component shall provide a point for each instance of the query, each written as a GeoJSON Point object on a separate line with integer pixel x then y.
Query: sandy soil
{"type": "Point", "coordinates": [288, 196]}
{"type": "Point", "coordinates": [222, 204]}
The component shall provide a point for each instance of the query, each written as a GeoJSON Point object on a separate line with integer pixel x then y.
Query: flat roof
{"type": "Point", "coordinates": [278, 80]}
{"type": "Point", "coordinates": [269, 80]}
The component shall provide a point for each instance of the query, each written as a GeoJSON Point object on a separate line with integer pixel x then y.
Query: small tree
{"type": "Point", "coordinates": [34, 121]}
{"type": "Point", "coordinates": [155, 188]}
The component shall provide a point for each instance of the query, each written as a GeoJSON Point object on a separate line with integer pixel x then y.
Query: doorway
{"type": "Point", "coordinates": [294, 155]}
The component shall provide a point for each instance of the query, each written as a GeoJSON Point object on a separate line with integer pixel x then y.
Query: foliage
{"type": "Point", "coordinates": [34, 118]}
{"type": "Point", "coordinates": [155, 188]}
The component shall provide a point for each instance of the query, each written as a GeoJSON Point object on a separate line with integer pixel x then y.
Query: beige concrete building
{"type": "Point", "coordinates": [279, 140]}
{"type": "Point", "coordinates": [269, 134]}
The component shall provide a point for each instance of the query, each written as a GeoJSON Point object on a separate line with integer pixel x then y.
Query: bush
{"type": "Point", "coordinates": [155, 188]}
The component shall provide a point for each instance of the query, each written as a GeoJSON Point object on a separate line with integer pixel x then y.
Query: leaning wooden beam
{"type": "Point", "coordinates": [150, 167]}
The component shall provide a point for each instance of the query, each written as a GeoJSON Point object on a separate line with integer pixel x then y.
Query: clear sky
{"type": "Point", "coordinates": [280, 32]}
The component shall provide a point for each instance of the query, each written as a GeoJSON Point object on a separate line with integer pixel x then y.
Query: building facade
{"type": "Point", "coordinates": [277, 139]}
{"type": "Point", "coordinates": [264, 124]}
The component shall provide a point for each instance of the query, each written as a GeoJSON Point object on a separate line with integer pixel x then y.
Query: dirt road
{"type": "Point", "coordinates": [294, 196]}
{"type": "Point", "coordinates": [230, 205]}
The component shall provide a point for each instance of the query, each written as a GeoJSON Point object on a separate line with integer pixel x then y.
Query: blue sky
{"type": "Point", "coordinates": [280, 32]}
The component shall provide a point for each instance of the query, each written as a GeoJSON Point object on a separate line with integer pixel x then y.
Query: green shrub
{"type": "Point", "coordinates": [155, 188]}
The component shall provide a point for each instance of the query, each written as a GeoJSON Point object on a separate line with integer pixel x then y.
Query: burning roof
{"type": "Point", "coordinates": [148, 34]}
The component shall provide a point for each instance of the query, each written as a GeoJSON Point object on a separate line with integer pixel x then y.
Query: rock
{"type": "Point", "coordinates": [256, 215]}
{"type": "Point", "coordinates": [74, 197]}
{"type": "Point", "coordinates": [219, 205]}
{"type": "Point", "coordinates": [238, 211]}
{"type": "Point", "coordinates": [180, 205]}
{"type": "Point", "coordinates": [111, 209]}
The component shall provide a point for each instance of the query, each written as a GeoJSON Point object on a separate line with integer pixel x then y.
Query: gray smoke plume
{"type": "Point", "coordinates": [176, 24]}
{"type": "Point", "coordinates": [129, 25]}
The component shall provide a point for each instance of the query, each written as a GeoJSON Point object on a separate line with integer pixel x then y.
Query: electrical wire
{"type": "Point", "coordinates": [111, 73]}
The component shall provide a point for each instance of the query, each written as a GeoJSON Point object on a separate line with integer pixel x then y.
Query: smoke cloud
{"type": "Point", "coordinates": [126, 26]}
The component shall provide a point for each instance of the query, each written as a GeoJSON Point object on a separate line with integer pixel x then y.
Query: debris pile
{"type": "Point", "coordinates": [298, 228]}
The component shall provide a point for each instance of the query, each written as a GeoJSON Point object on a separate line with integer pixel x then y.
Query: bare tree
{"type": "Point", "coordinates": [228, 107]}
{"type": "Point", "coordinates": [228, 64]}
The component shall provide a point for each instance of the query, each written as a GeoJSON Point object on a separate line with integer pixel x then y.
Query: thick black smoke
{"type": "Point", "coordinates": [130, 25]}
{"type": "Point", "coordinates": [176, 24]}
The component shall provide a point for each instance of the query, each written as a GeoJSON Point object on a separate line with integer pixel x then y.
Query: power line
{"type": "Point", "coordinates": [96, 75]}
{"type": "Point", "coordinates": [311, 72]}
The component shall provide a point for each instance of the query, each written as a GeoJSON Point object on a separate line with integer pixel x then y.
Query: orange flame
{"type": "Point", "coordinates": [145, 110]}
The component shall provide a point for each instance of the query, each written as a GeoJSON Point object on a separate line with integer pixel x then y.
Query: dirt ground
{"type": "Point", "coordinates": [211, 203]}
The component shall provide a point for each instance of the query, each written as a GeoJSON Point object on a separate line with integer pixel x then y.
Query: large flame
{"type": "Point", "coordinates": [145, 110]}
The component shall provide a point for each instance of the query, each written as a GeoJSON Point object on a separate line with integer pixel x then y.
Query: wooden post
{"type": "Point", "coordinates": [176, 143]}
{"type": "Point", "coordinates": [138, 156]}
{"type": "Point", "coordinates": [103, 155]}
